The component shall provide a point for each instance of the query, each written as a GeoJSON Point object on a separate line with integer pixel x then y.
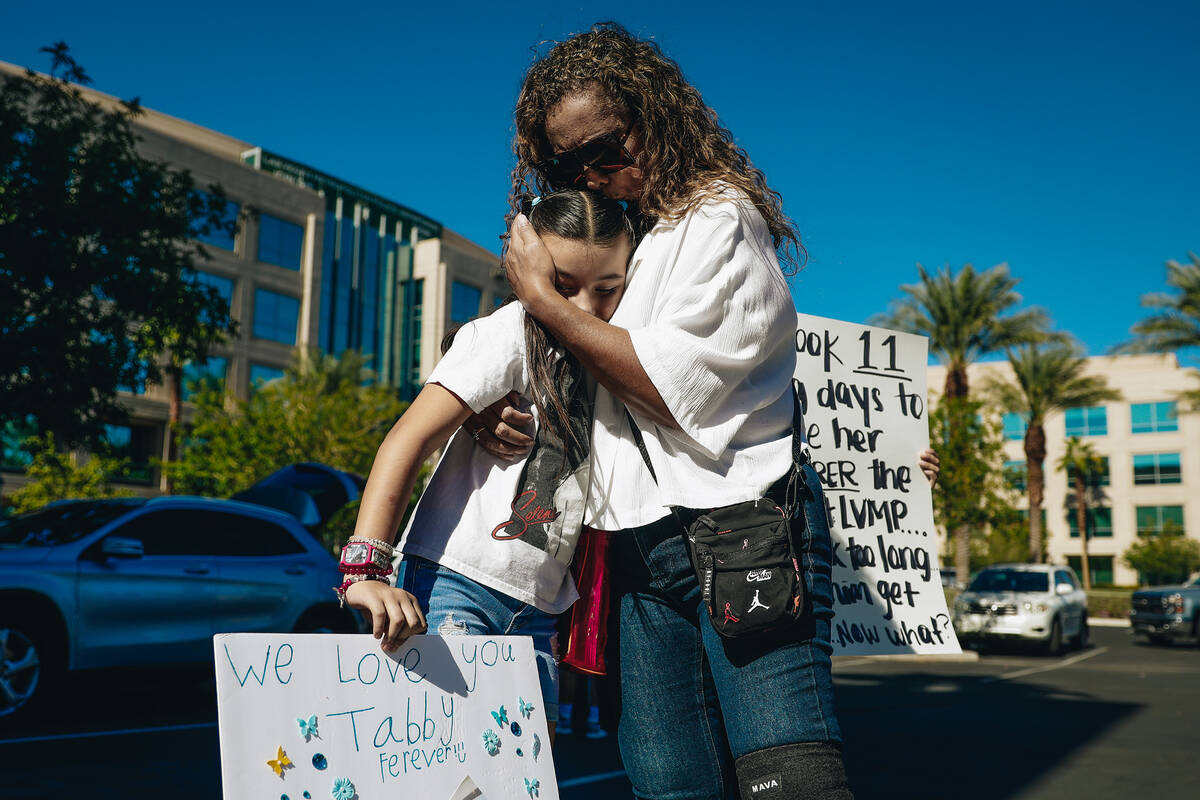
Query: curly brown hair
{"type": "Point", "coordinates": [685, 149]}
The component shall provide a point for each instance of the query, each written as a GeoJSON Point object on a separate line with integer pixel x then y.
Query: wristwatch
{"type": "Point", "coordinates": [359, 556]}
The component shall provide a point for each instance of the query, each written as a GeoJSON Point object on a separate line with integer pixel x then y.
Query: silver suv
{"type": "Point", "coordinates": [86, 584]}
{"type": "Point", "coordinates": [1038, 603]}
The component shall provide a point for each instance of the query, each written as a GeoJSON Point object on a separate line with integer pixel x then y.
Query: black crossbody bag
{"type": "Point", "coordinates": [744, 554]}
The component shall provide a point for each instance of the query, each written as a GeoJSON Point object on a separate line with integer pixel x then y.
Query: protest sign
{"type": "Point", "coordinates": [863, 393]}
{"type": "Point", "coordinates": [323, 715]}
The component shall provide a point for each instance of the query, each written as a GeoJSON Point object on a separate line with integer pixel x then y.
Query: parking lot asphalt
{"type": "Point", "coordinates": [1117, 720]}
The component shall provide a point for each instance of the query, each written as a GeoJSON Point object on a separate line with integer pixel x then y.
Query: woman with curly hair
{"type": "Point", "coordinates": [701, 353]}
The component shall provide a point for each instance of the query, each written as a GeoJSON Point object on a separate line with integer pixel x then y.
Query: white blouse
{"type": "Point", "coordinates": [713, 324]}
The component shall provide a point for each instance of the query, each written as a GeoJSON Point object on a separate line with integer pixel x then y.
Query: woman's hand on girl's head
{"type": "Point", "coordinates": [528, 264]}
{"type": "Point", "coordinates": [395, 613]}
{"type": "Point", "coordinates": [930, 465]}
{"type": "Point", "coordinates": [496, 428]}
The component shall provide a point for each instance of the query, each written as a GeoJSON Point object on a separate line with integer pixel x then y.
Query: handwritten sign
{"type": "Point", "coordinates": [322, 715]}
{"type": "Point", "coordinates": [863, 392]}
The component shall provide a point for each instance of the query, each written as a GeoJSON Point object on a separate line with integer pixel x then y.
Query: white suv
{"type": "Point", "coordinates": [1040, 603]}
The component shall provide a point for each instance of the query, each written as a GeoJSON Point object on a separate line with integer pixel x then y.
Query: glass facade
{"type": "Point", "coordinates": [197, 378]}
{"type": "Point", "coordinates": [223, 285]}
{"type": "Point", "coordinates": [221, 238]}
{"type": "Point", "coordinates": [1100, 566]}
{"type": "Point", "coordinates": [260, 374]}
{"type": "Point", "coordinates": [1099, 523]}
{"type": "Point", "coordinates": [368, 295]}
{"type": "Point", "coordinates": [1154, 468]}
{"type": "Point", "coordinates": [1087, 421]}
{"type": "Point", "coordinates": [418, 314]}
{"type": "Point", "coordinates": [1154, 520]}
{"type": "Point", "coordinates": [138, 444]}
{"type": "Point", "coordinates": [465, 301]}
{"type": "Point", "coordinates": [280, 242]}
{"type": "Point", "coordinates": [1014, 426]}
{"type": "Point", "coordinates": [1154, 417]}
{"type": "Point", "coordinates": [1015, 474]}
{"type": "Point", "coordinates": [275, 316]}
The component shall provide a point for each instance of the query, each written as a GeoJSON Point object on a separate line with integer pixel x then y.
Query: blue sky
{"type": "Point", "coordinates": [1059, 137]}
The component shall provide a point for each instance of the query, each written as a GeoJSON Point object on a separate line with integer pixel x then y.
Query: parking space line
{"type": "Point", "coordinates": [95, 734]}
{"type": "Point", "coordinates": [585, 779]}
{"type": "Point", "coordinates": [1021, 673]}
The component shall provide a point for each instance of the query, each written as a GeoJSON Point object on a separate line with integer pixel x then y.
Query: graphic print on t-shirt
{"type": "Point", "coordinates": [535, 514]}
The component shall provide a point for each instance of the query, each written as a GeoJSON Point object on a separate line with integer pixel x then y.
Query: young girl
{"type": "Point", "coordinates": [488, 547]}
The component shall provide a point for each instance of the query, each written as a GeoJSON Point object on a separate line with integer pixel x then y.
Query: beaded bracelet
{"type": "Point", "coordinates": [363, 569]}
{"type": "Point", "coordinates": [340, 591]}
{"type": "Point", "coordinates": [380, 543]}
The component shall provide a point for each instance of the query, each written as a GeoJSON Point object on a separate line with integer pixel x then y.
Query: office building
{"type": "Point", "coordinates": [316, 263]}
{"type": "Point", "coordinates": [1151, 480]}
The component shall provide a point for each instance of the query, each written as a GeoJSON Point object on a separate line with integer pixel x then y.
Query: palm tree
{"type": "Point", "coordinates": [1176, 323]}
{"type": "Point", "coordinates": [1046, 378]}
{"type": "Point", "coordinates": [1084, 464]}
{"type": "Point", "coordinates": [961, 316]}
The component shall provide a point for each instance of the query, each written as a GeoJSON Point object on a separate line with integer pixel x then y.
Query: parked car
{"type": "Point", "coordinates": [1166, 613]}
{"type": "Point", "coordinates": [1023, 602]}
{"type": "Point", "coordinates": [86, 584]}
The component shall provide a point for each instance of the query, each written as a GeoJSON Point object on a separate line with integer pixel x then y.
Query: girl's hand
{"type": "Point", "coordinates": [528, 264]}
{"type": "Point", "coordinates": [395, 613]}
{"type": "Point", "coordinates": [496, 428]}
{"type": "Point", "coordinates": [930, 465]}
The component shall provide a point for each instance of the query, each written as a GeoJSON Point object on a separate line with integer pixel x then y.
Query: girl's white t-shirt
{"type": "Point", "coordinates": [473, 495]}
{"type": "Point", "coordinates": [713, 324]}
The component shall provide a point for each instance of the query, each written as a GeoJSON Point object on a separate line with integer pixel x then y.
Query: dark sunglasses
{"type": "Point", "coordinates": [606, 153]}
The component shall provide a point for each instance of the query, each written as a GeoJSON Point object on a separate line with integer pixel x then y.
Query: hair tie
{"type": "Point", "coordinates": [536, 199]}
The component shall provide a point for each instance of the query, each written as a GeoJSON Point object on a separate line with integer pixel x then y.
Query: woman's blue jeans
{"type": "Point", "coordinates": [692, 702]}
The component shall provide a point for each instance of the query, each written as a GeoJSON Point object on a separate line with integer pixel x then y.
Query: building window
{"type": "Point", "coordinates": [1014, 426]}
{"type": "Point", "coordinates": [1154, 417]}
{"type": "Point", "coordinates": [1155, 520]}
{"type": "Point", "coordinates": [1098, 478]}
{"type": "Point", "coordinates": [464, 302]}
{"type": "Point", "coordinates": [1015, 475]}
{"type": "Point", "coordinates": [220, 236]}
{"type": "Point", "coordinates": [1155, 468]}
{"type": "Point", "coordinates": [280, 242]}
{"type": "Point", "coordinates": [1024, 513]}
{"type": "Point", "coordinates": [198, 378]}
{"type": "Point", "coordinates": [275, 316]}
{"type": "Point", "coordinates": [1099, 523]}
{"type": "Point", "coordinates": [1100, 566]}
{"type": "Point", "coordinates": [224, 286]}
{"type": "Point", "coordinates": [137, 444]}
{"type": "Point", "coordinates": [260, 374]}
{"type": "Point", "coordinates": [12, 435]}
{"type": "Point", "coordinates": [1087, 421]}
{"type": "Point", "coordinates": [418, 309]}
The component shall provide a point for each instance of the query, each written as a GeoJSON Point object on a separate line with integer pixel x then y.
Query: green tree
{"type": "Point", "coordinates": [972, 494]}
{"type": "Point", "coordinates": [59, 475]}
{"type": "Point", "coordinates": [98, 253]}
{"type": "Point", "coordinates": [1084, 466]}
{"type": "Point", "coordinates": [966, 316]}
{"type": "Point", "coordinates": [1046, 378]}
{"type": "Point", "coordinates": [962, 316]}
{"type": "Point", "coordinates": [323, 409]}
{"type": "Point", "coordinates": [1175, 325]}
{"type": "Point", "coordinates": [1167, 558]}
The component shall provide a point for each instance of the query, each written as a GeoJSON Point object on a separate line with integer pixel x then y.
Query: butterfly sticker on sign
{"type": "Point", "coordinates": [418, 722]}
